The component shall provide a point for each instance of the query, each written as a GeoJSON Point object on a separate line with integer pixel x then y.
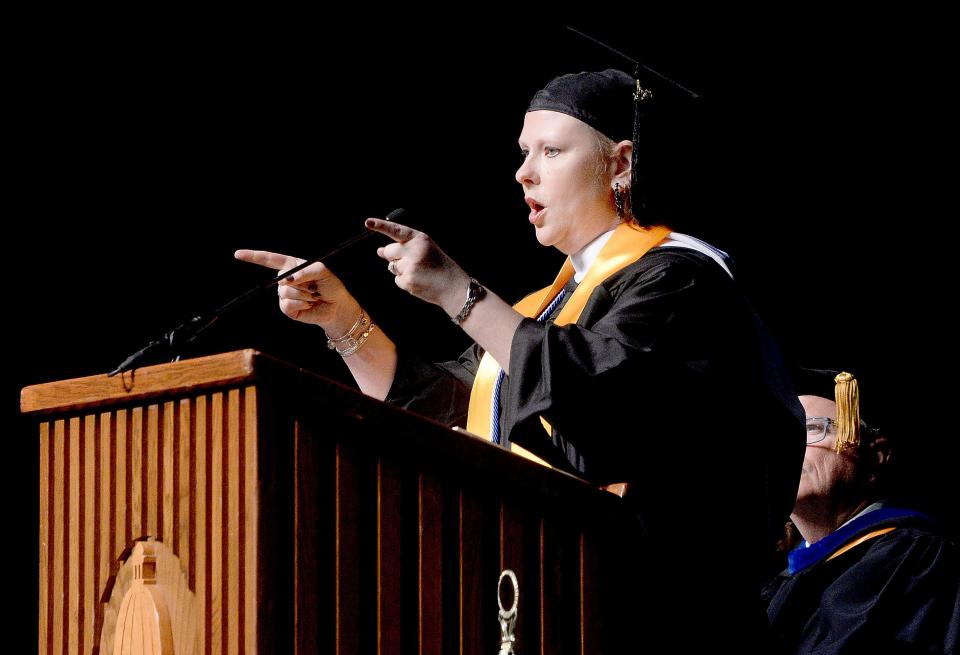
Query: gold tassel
{"type": "Point", "coordinates": [847, 395]}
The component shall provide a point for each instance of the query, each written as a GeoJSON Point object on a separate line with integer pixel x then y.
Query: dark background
{"type": "Point", "coordinates": [147, 148]}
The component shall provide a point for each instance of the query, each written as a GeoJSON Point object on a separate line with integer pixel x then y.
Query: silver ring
{"type": "Point", "coordinates": [392, 267]}
{"type": "Point", "coordinates": [514, 594]}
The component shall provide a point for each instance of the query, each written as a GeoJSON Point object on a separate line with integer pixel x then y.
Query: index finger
{"type": "Point", "coordinates": [273, 260]}
{"type": "Point", "coordinates": [396, 231]}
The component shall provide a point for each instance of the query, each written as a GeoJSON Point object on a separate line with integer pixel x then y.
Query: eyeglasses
{"type": "Point", "coordinates": [818, 427]}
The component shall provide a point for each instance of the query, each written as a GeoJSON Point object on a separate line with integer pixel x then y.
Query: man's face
{"type": "Point", "coordinates": [826, 474]}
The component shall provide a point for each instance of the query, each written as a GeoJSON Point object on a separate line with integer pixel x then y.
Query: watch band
{"type": "Point", "coordinates": [474, 293]}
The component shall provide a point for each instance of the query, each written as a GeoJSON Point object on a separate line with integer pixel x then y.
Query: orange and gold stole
{"type": "Point", "coordinates": [628, 244]}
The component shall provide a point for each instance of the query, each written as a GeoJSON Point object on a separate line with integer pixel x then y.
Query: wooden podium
{"type": "Point", "coordinates": [238, 504]}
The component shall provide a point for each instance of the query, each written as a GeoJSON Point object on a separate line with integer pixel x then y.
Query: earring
{"type": "Point", "coordinates": [618, 199]}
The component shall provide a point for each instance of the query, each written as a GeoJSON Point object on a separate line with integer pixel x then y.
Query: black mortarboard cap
{"type": "Point", "coordinates": [622, 107]}
{"type": "Point", "coordinates": [815, 382]}
{"type": "Point", "coordinates": [603, 100]}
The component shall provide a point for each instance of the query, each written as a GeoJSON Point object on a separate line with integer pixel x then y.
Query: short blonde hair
{"type": "Point", "coordinates": [606, 152]}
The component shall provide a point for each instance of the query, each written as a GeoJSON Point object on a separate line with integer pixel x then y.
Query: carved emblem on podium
{"type": "Point", "coordinates": [151, 610]}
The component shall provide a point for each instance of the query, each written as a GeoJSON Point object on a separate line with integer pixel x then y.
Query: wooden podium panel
{"type": "Point", "coordinates": [238, 504]}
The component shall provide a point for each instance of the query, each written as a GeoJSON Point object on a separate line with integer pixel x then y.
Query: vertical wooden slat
{"type": "Point", "coordinates": [215, 554]}
{"type": "Point", "coordinates": [185, 600]}
{"type": "Point", "coordinates": [152, 455]}
{"type": "Point", "coordinates": [461, 595]}
{"type": "Point", "coordinates": [305, 632]}
{"type": "Point", "coordinates": [105, 521]}
{"type": "Point", "coordinates": [136, 480]}
{"type": "Point", "coordinates": [251, 513]}
{"type": "Point", "coordinates": [430, 569]}
{"type": "Point", "coordinates": [121, 487]}
{"type": "Point", "coordinates": [201, 527]}
{"type": "Point", "coordinates": [582, 588]}
{"type": "Point", "coordinates": [73, 537]}
{"type": "Point", "coordinates": [347, 570]}
{"type": "Point", "coordinates": [475, 611]}
{"type": "Point", "coordinates": [167, 516]}
{"type": "Point", "coordinates": [307, 548]}
{"type": "Point", "coordinates": [88, 598]}
{"type": "Point", "coordinates": [542, 613]}
{"type": "Point", "coordinates": [59, 534]}
{"type": "Point", "coordinates": [591, 616]}
{"type": "Point", "coordinates": [185, 493]}
{"type": "Point", "coordinates": [46, 554]}
{"type": "Point", "coordinates": [389, 541]}
{"type": "Point", "coordinates": [232, 514]}
{"type": "Point", "coordinates": [559, 586]}
{"type": "Point", "coordinates": [514, 524]}
{"type": "Point", "coordinates": [502, 536]}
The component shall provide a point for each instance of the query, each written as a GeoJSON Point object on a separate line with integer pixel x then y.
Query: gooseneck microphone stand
{"type": "Point", "coordinates": [173, 341]}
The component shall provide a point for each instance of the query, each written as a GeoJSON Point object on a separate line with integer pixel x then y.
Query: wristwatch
{"type": "Point", "coordinates": [474, 293]}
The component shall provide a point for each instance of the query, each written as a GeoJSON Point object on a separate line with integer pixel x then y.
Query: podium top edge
{"type": "Point", "coordinates": [163, 379]}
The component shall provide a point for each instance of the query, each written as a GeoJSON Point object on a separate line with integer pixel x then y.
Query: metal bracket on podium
{"type": "Point", "coordinates": [508, 617]}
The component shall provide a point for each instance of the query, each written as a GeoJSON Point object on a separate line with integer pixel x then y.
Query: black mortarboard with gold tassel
{"type": "Point", "coordinates": [845, 390]}
{"type": "Point", "coordinates": [617, 105]}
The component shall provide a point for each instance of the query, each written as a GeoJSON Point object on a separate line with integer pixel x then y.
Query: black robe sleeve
{"type": "Point", "coordinates": [438, 390]}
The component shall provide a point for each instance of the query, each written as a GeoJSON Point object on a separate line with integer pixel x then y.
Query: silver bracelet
{"type": "Point", "coordinates": [353, 345]}
{"type": "Point", "coordinates": [359, 323]}
{"type": "Point", "coordinates": [474, 293]}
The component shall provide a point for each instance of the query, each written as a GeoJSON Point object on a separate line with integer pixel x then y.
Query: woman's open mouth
{"type": "Point", "coordinates": [536, 210]}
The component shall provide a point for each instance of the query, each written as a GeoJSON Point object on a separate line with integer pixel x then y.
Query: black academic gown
{"type": "Point", "coordinates": [895, 593]}
{"type": "Point", "coordinates": [667, 381]}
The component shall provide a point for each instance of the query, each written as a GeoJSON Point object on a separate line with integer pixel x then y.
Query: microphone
{"type": "Point", "coordinates": [187, 332]}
